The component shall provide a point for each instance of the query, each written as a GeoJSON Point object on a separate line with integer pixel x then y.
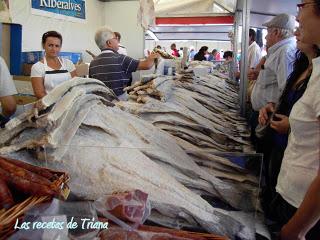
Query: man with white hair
{"type": "Point", "coordinates": [279, 63]}
{"type": "Point", "coordinates": [272, 79]}
{"type": "Point", "coordinates": [114, 69]}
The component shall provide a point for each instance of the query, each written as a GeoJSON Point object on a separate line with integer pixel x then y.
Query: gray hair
{"type": "Point", "coordinates": [285, 33]}
{"type": "Point", "coordinates": [103, 34]}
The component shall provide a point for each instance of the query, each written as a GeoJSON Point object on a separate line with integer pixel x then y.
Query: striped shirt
{"type": "Point", "coordinates": [113, 69]}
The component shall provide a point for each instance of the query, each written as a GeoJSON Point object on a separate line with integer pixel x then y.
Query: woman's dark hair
{"type": "Point", "coordinates": [51, 34]}
{"type": "Point", "coordinates": [200, 55]}
{"type": "Point", "coordinates": [300, 65]}
{"type": "Point", "coordinates": [203, 49]}
{"type": "Point", "coordinates": [227, 54]}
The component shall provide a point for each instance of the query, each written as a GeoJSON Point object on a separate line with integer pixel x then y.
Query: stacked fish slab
{"type": "Point", "coordinates": [79, 129]}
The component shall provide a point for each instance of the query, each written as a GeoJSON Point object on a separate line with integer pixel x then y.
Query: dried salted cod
{"type": "Point", "coordinates": [161, 148]}
{"type": "Point", "coordinates": [102, 169]}
{"type": "Point", "coordinates": [105, 154]}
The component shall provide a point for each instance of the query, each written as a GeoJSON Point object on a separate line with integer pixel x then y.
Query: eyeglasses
{"type": "Point", "coordinates": [302, 5]}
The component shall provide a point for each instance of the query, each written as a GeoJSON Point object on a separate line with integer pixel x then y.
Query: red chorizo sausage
{"type": "Point", "coordinates": [6, 200]}
{"type": "Point", "coordinates": [26, 186]}
{"type": "Point", "coordinates": [23, 173]}
{"type": "Point", "coordinates": [40, 171]}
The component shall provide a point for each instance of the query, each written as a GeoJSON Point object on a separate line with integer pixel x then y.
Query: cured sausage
{"type": "Point", "coordinates": [6, 200]}
{"type": "Point", "coordinates": [40, 171]}
{"type": "Point", "coordinates": [23, 173]}
{"type": "Point", "coordinates": [26, 186]}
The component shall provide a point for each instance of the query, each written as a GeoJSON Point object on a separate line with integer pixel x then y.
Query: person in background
{"type": "Point", "coordinates": [181, 52]}
{"type": "Point", "coordinates": [191, 54]}
{"type": "Point", "coordinates": [122, 49]}
{"type": "Point", "coordinates": [175, 52]}
{"type": "Point", "coordinates": [254, 51]}
{"type": "Point", "coordinates": [7, 89]}
{"type": "Point", "coordinates": [254, 57]}
{"type": "Point", "coordinates": [212, 55]}
{"type": "Point", "coordinates": [114, 69]}
{"type": "Point", "coordinates": [200, 56]}
{"type": "Point", "coordinates": [278, 66]}
{"type": "Point", "coordinates": [216, 55]}
{"type": "Point", "coordinates": [51, 70]}
{"type": "Point", "coordinates": [228, 56]}
{"type": "Point", "coordinates": [297, 207]}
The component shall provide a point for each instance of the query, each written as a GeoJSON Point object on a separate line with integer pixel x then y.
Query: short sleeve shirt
{"type": "Point", "coordinates": [254, 55]}
{"type": "Point", "coordinates": [113, 69]}
{"type": "Point", "coordinates": [7, 87]}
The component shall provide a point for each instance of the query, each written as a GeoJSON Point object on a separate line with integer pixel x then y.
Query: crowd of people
{"type": "Point", "coordinates": [285, 116]}
{"type": "Point", "coordinates": [202, 55]}
{"type": "Point", "coordinates": [284, 105]}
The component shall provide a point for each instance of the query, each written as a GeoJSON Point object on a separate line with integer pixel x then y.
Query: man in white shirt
{"type": "Point", "coordinates": [122, 49]}
{"type": "Point", "coordinates": [7, 89]}
{"type": "Point", "coordinates": [279, 63]}
{"type": "Point", "coordinates": [254, 50]}
{"type": "Point", "coordinates": [274, 72]}
{"type": "Point", "coordinates": [254, 56]}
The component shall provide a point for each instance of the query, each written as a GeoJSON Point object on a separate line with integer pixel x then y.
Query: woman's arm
{"type": "Point", "coordinates": [38, 87]}
{"type": "Point", "coordinates": [8, 104]}
{"type": "Point", "coordinates": [74, 74]}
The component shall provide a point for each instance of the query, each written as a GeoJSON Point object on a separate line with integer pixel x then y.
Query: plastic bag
{"type": "Point", "coordinates": [131, 206]}
{"type": "Point", "coordinates": [121, 234]}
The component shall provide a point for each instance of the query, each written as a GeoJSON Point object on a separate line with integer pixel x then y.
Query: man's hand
{"type": "Point", "coordinates": [148, 63]}
{"type": "Point", "coordinates": [281, 125]}
{"type": "Point", "coordinates": [153, 55]}
{"type": "Point", "coordinates": [263, 113]}
{"type": "Point", "coordinates": [253, 74]}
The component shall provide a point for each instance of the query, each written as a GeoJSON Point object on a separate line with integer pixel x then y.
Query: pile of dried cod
{"type": "Point", "coordinates": [78, 128]}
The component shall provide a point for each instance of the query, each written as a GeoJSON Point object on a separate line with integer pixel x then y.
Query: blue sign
{"type": "Point", "coordinates": [69, 8]}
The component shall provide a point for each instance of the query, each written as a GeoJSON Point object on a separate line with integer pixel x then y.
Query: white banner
{"type": "Point", "coordinates": [68, 10]}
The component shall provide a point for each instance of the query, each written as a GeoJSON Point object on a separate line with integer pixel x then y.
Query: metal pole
{"type": "Point", "coordinates": [236, 36]}
{"type": "Point", "coordinates": [244, 59]}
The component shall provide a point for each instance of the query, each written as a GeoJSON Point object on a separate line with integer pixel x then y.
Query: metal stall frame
{"type": "Point", "coordinates": [246, 5]}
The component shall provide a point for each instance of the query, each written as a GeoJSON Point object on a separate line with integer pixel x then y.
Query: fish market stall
{"type": "Point", "coordinates": [81, 128]}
